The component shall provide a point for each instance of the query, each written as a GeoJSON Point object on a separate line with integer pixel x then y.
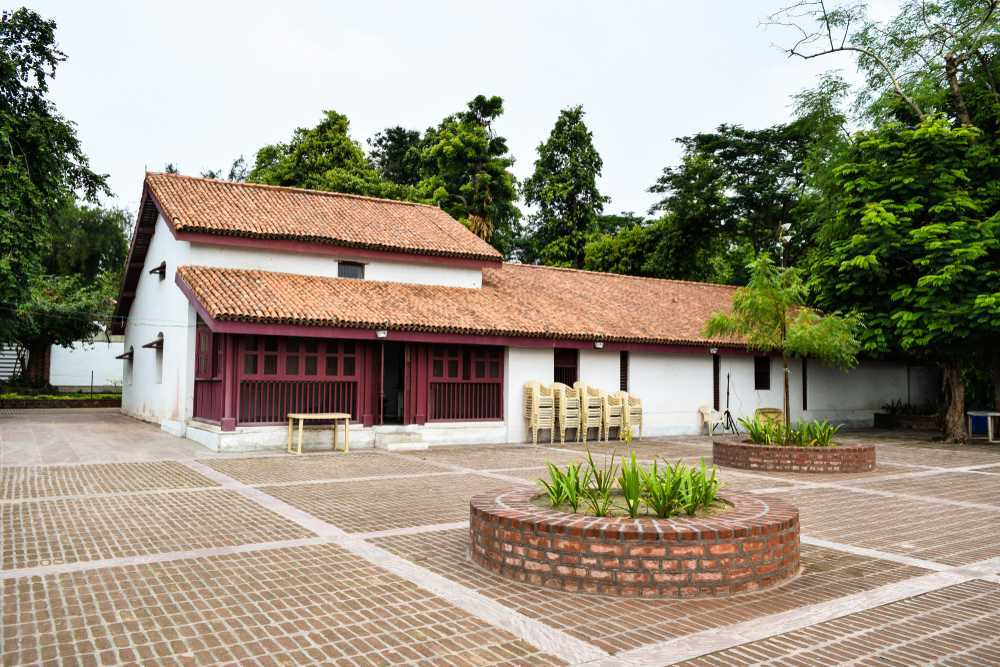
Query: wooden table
{"type": "Point", "coordinates": [990, 416]}
{"type": "Point", "coordinates": [335, 417]}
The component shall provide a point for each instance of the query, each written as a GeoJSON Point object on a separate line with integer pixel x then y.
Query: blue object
{"type": "Point", "coordinates": [977, 425]}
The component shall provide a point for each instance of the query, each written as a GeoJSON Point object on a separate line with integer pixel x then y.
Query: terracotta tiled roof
{"type": "Point", "coordinates": [515, 300]}
{"type": "Point", "coordinates": [264, 211]}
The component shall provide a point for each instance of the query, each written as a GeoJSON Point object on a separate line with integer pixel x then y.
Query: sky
{"type": "Point", "coordinates": [201, 83]}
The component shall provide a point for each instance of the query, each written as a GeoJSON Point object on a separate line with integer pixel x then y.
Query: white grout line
{"type": "Point", "coordinates": [412, 530]}
{"type": "Point", "coordinates": [363, 478]}
{"type": "Point", "coordinates": [724, 637]}
{"type": "Point", "coordinates": [146, 559]}
{"type": "Point", "coordinates": [546, 638]}
{"type": "Point", "coordinates": [805, 486]}
{"type": "Point", "coordinates": [934, 566]}
{"type": "Point", "coordinates": [454, 467]}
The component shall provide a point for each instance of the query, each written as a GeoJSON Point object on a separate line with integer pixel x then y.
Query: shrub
{"type": "Point", "coordinates": [804, 434]}
{"type": "Point", "coordinates": [664, 492]}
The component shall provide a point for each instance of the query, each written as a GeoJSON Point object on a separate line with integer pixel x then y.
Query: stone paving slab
{"type": "Point", "coordinates": [314, 604]}
{"type": "Point", "coordinates": [385, 504]}
{"type": "Point", "coordinates": [295, 468]}
{"type": "Point", "coordinates": [952, 626]}
{"type": "Point", "coordinates": [46, 532]}
{"type": "Point", "coordinates": [46, 481]}
{"type": "Point", "coordinates": [880, 470]}
{"type": "Point", "coordinates": [983, 489]}
{"type": "Point", "coordinates": [938, 454]}
{"type": "Point", "coordinates": [617, 624]}
{"type": "Point", "coordinates": [943, 533]}
{"type": "Point", "coordinates": [653, 448]}
{"type": "Point", "coordinates": [498, 457]}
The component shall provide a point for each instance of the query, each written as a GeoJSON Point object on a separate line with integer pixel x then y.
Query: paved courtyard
{"type": "Point", "coordinates": [121, 544]}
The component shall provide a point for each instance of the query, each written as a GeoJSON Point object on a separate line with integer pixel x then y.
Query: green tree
{"type": "Point", "coordinates": [915, 246]}
{"type": "Point", "coordinates": [72, 298]}
{"type": "Point", "coordinates": [564, 191]}
{"type": "Point", "coordinates": [324, 158]}
{"type": "Point", "coordinates": [42, 163]}
{"type": "Point", "coordinates": [395, 152]}
{"type": "Point", "coordinates": [465, 167]}
{"type": "Point", "coordinates": [771, 314]}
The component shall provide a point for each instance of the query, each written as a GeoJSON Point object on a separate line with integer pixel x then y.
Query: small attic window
{"type": "Point", "coordinates": [355, 270]}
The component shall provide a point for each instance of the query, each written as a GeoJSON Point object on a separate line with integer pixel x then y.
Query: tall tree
{"type": "Point", "coordinates": [564, 190]}
{"type": "Point", "coordinates": [42, 164]}
{"type": "Point", "coordinates": [324, 157]}
{"type": "Point", "coordinates": [915, 246]}
{"type": "Point", "coordinates": [71, 299]}
{"type": "Point", "coordinates": [395, 152]}
{"type": "Point", "coordinates": [771, 314]}
{"type": "Point", "coordinates": [925, 46]}
{"type": "Point", "coordinates": [465, 167]}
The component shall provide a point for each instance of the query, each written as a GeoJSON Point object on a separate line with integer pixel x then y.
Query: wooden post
{"type": "Point", "coordinates": [230, 390]}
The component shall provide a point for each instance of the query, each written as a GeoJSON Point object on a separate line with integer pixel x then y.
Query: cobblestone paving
{"type": "Point", "coordinates": [314, 467]}
{"type": "Point", "coordinates": [44, 532]}
{"type": "Point", "coordinates": [951, 486]}
{"type": "Point", "coordinates": [305, 605]}
{"type": "Point", "coordinates": [617, 624]}
{"type": "Point", "coordinates": [952, 626]}
{"type": "Point", "coordinates": [362, 558]}
{"type": "Point", "coordinates": [390, 503]}
{"type": "Point", "coordinates": [46, 481]}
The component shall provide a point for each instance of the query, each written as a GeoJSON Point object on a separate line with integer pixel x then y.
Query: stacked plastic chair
{"type": "Point", "coordinates": [631, 413]}
{"type": "Point", "coordinates": [591, 409]}
{"type": "Point", "coordinates": [567, 407]}
{"type": "Point", "coordinates": [612, 414]}
{"type": "Point", "coordinates": [539, 409]}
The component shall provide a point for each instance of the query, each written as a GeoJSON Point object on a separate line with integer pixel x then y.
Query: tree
{"type": "Point", "coordinates": [72, 299]}
{"type": "Point", "coordinates": [915, 246]}
{"type": "Point", "coordinates": [770, 314]}
{"type": "Point", "coordinates": [42, 163]}
{"type": "Point", "coordinates": [238, 171]}
{"type": "Point", "coordinates": [465, 169]}
{"type": "Point", "coordinates": [740, 185]}
{"type": "Point", "coordinates": [925, 46]}
{"type": "Point", "coordinates": [324, 158]}
{"type": "Point", "coordinates": [564, 190]}
{"type": "Point", "coordinates": [395, 152]}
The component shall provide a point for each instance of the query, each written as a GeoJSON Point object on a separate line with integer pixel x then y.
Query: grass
{"type": "Point", "coordinates": [633, 490]}
{"type": "Point", "coordinates": [58, 396]}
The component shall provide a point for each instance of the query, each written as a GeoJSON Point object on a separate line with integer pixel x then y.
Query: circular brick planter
{"type": "Point", "coordinates": [752, 545]}
{"type": "Point", "coordinates": [839, 458]}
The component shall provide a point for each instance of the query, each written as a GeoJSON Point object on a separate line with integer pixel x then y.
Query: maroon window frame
{"type": "Point", "coordinates": [277, 375]}
{"type": "Point", "coordinates": [465, 383]}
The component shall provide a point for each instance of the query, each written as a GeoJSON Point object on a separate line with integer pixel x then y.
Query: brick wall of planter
{"type": "Point", "coordinates": [752, 545]}
{"type": "Point", "coordinates": [841, 458]}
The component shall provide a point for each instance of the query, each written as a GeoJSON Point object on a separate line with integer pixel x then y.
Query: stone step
{"type": "Point", "coordinates": [399, 440]}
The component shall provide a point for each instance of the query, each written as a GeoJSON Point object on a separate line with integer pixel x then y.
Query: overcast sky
{"type": "Point", "coordinates": [200, 83]}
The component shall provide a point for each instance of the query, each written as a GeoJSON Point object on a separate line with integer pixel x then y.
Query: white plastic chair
{"type": "Point", "coordinates": [711, 418]}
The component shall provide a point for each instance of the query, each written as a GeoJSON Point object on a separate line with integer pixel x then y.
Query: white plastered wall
{"type": "Point", "coordinates": [522, 365]}
{"type": "Point", "coordinates": [73, 366]}
{"type": "Point", "coordinates": [160, 307]}
{"type": "Point", "coordinates": [325, 265]}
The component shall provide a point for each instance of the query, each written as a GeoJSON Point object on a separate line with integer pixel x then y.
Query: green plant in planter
{"type": "Point", "coordinates": [698, 488]}
{"type": "Point", "coordinates": [804, 434]}
{"type": "Point", "coordinates": [598, 493]}
{"type": "Point", "coordinates": [566, 487]}
{"type": "Point", "coordinates": [661, 491]}
{"type": "Point", "coordinates": [630, 482]}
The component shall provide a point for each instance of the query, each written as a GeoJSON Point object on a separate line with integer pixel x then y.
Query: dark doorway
{"type": "Point", "coordinates": [566, 362]}
{"type": "Point", "coordinates": [392, 383]}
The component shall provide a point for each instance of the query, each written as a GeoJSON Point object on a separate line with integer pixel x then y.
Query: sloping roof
{"type": "Point", "coordinates": [515, 300]}
{"type": "Point", "coordinates": [267, 212]}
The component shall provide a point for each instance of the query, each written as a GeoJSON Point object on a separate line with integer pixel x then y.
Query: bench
{"type": "Point", "coordinates": [335, 417]}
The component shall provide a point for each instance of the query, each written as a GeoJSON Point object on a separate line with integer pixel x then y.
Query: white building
{"type": "Point", "coordinates": [245, 302]}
